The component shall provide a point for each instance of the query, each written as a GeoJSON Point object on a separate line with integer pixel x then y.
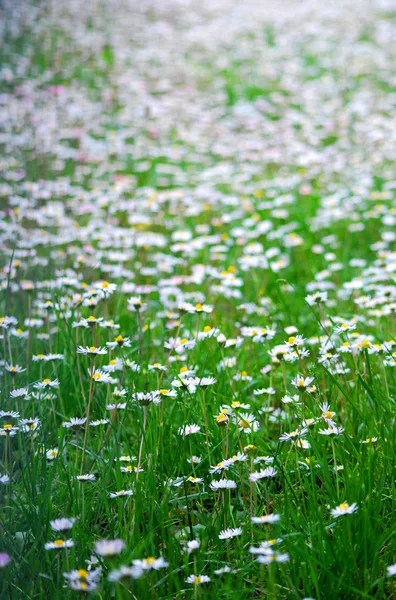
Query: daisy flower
{"type": "Point", "coordinates": [263, 474]}
{"type": "Point", "coordinates": [301, 382]}
{"type": "Point", "coordinates": [62, 524]}
{"type": "Point", "coordinates": [222, 484]}
{"type": "Point", "coordinates": [99, 376]}
{"type": "Point", "coordinates": [91, 350]}
{"type": "Point", "coordinates": [227, 534]}
{"type": "Point", "coordinates": [270, 518]}
{"type": "Point", "coordinates": [58, 544]}
{"type": "Point", "coordinates": [46, 383]}
{"type": "Point", "coordinates": [109, 547]}
{"type": "Point", "coordinates": [188, 430]}
{"type": "Point", "coordinates": [150, 563]}
{"type": "Point", "coordinates": [197, 579]}
{"type": "Point", "coordinates": [120, 494]}
{"type": "Point", "coordinates": [344, 509]}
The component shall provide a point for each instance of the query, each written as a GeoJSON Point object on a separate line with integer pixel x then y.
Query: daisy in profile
{"type": "Point", "coordinates": [344, 509]}
{"type": "Point", "coordinates": [270, 518]}
{"type": "Point", "coordinates": [14, 369]}
{"type": "Point", "coordinates": [109, 547]}
{"type": "Point", "coordinates": [222, 484]}
{"type": "Point", "coordinates": [46, 383]}
{"type": "Point", "coordinates": [100, 376]}
{"type": "Point", "coordinates": [188, 430]}
{"type": "Point", "coordinates": [119, 342]}
{"type": "Point", "coordinates": [302, 383]}
{"type": "Point", "coordinates": [157, 367]}
{"type": "Point", "coordinates": [135, 304]}
{"type": "Point", "coordinates": [121, 494]}
{"type": "Point", "coordinates": [59, 544]}
{"type": "Point", "coordinates": [91, 350]}
{"type": "Point", "coordinates": [150, 563]}
{"type": "Point", "coordinates": [227, 534]}
{"type": "Point", "coordinates": [62, 524]}
{"type": "Point", "coordinates": [74, 423]}
{"type": "Point", "coordinates": [197, 579]}
{"type": "Point", "coordinates": [8, 430]}
{"type": "Point", "coordinates": [266, 559]}
{"type": "Point", "coordinates": [331, 431]}
{"type": "Point", "coordinates": [84, 478]}
{"type": "Point", "coordinates": [263, 474]}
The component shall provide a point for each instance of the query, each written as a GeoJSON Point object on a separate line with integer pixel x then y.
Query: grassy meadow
{"type": "Point", "coordinates": [197, 290]}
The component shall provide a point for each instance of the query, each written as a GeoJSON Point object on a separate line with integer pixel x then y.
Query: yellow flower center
{"type": "Point", "coordinates": [207, 329]}
{"type": "Point", "coordinates": [91, 318]}
{"type": "Point", "coordinates": [96, 376]}
{"type": "Point", "coordinates": [344, 506]}
{"type": "Point", "coordinates": [164, 391]}
{"type": "Point", "coordinates": [197, 579]}
{"type": "Point", "coordinates": [119, 339]}
{"type": "Point", "coordinates": [150, 560]}
{"type": "Point", "coordinates": [184, 341]}
{"type": "Point", "coordinates": [198, 306]}
{"type": "Point", "coordinates": [221, 418]}
{"type": "Point", "coordinates": [243, 374]}
{"type": "Point", "coordinates": [46, 380]}
{"type": "Point", "coordinates": [59, 543]}
{"type": "Point", "coordinates": [92, 348]}
{"type": "Point", "coordinates": [82, 573]}
{"type": "Point", "coordinates": [105, 285]}
{"type": "Point", "coordinates": [7, 426]}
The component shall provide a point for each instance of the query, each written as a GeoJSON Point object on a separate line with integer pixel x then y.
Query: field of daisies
{"type": "Point", "coordinates": [197, 290]}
